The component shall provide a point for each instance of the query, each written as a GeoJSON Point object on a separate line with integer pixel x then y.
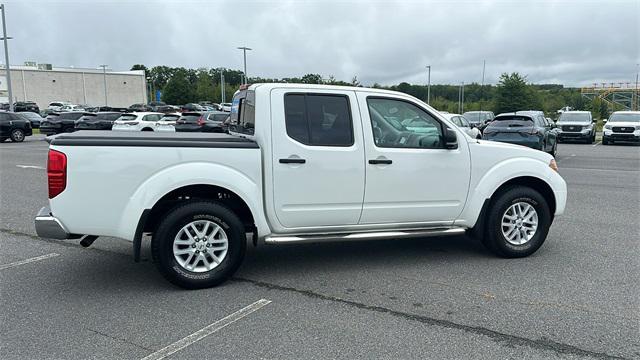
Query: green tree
{"type": "Point", "coordinates": [512, 93]}
{"type": "Point", "coordinates": [312, 79]}
{"type": "Point", "coordinates": [178, 90]}
{"type": "Point", "coordinates": [139, 67]}
{"type": "Point", "coordinates": [204, 90]}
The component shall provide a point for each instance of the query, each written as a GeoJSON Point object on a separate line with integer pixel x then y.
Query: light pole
{"type": "Point", "coordinates": [244, 51]}
{"type": "Point", "coordinates": [104, 76]}
{"type": "Point", "coordinates": [6, 58]}
{"type": "Point", "coordinates": [429, 84]}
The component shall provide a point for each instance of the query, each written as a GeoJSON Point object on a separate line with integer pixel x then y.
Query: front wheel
{"type": "Point", "coordinates": [199, 245]}
{"type": "Point", "coordinates": [518, 222]}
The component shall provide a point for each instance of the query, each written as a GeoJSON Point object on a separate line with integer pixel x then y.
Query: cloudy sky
{"type": "Point", "coordinates": [573, 42]}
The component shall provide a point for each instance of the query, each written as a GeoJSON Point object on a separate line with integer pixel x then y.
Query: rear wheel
{"type": "Point", "coordinates": [17, 135]}
{"type": "Point", "coordinates": [199, 245]}
{"type": "Point", "coordinates": [518, 222]}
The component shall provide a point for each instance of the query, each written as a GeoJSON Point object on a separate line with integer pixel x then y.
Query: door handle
{"type": "Point", "coordinates": [292, 161]}
{"type": "Point", "coordinates": [380, 162]}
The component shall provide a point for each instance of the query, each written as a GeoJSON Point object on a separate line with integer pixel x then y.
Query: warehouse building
{"type": "Point", "coordinates": [44, 83]}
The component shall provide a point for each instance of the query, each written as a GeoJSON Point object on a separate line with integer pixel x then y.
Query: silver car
{"type": "Point", "coordinates": [463, 124]}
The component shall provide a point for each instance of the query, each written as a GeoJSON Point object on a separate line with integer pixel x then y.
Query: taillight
{"type": "Point", "coordinates": [56, 173]}
{"type": "Point", "coordinates": [200, 121]}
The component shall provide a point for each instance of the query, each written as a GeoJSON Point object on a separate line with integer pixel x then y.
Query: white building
{"type": "Point", "coordinates": [44, 83]}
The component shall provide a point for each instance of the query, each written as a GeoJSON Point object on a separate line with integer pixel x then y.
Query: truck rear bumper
{"type": "Point", "coordinates": [48, 226]}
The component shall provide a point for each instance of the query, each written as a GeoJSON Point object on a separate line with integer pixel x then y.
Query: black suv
{"type": "Point", "coordinates": [97, 121]}
{"type": "Point", "coordinates": [527, 128]}
{"type": "Point", "coordinates": [13, 127]}
{"type": "Point", "coordinates": [56, 123]}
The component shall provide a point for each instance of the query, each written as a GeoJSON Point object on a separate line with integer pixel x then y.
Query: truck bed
{"type": "Point", "coordinates": [151, 139]}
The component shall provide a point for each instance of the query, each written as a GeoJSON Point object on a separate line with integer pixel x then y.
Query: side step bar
{"type": "Point", "coordinates": [393, 234]}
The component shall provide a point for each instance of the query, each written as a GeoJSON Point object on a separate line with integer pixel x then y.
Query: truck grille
{"type": "Point", "coordinates": [574, 128]}
{"type": "Point", "coordinates": [623, 129]}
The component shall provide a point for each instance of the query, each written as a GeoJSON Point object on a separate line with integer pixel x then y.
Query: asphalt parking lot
{"type": "Point", "coordinates": [577, 297]}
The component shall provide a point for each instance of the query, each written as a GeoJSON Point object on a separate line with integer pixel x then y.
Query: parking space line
{"type": "Point", "coordinates": [206, 331]}
{"type": "Point", "coordinates": [27, 261]}
{"type": "Point", "coordinates": [31, 167]}
{"type": "Point", "coordinates": [596, 144]}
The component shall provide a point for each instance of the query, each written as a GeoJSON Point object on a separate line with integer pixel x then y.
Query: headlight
{"type": "Point", "coordinates": [607, 126]}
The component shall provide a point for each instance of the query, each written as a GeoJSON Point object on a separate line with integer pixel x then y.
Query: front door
{"type": "Point", "coordinates": [318, 158]}
{"type": "Point", "coordinates": [410, 176]}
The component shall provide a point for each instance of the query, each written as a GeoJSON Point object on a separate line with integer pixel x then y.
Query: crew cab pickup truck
{"type": "Point", "coordinates": [301, 163]}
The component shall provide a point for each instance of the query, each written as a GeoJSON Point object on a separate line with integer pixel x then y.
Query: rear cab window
{"type": "Point", "coordinates": [319, 119]}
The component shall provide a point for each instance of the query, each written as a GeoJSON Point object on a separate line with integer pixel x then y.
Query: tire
{"type": "Point", "coordinates": [605, 141]}
{"type": "Point", "coordinates": [593, 138]}
{"type": "Point", "coordinates": [17, 135]}
{"type": "Point", "coordinates": [227, 226]}
{"type": "Point", "coordinates": [503, 205]}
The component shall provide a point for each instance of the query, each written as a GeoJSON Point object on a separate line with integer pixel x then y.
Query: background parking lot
{"type": "Point", "coordinates": [577, 297]}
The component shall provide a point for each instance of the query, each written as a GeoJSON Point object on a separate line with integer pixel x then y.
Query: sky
{"type": "Point", "coordinates": [570, 42]}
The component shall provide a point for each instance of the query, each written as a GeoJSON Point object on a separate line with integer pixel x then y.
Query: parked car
{"type": "Point", "coordinates": [576, 125]}
{"type": "Point", "coordinates": [622, 126]}
{"type": "Point", "coordinates": [527, 128]}
{"type": "Point", "coordinates": [210, 121]}
{"type": "Point", "coordinates": [462, 122]}
{"type": "Point", "coordinates": [139, 108]}
{"type": "Point", "coordinates": [226, 107]}
{"type": "Point", "coordinates": [55, 106]}
{"type": "Point", "coordinates": [71, 108]}
{"type": "Point", "coordinates": [191, 107]}
{"type": "Point", "coordinates": [14, 127]}
{"type": "Point", "coordinates": [34, 118]}
{"type": "Point", "coordinates": [137, 121]}
{"type": "Point", "coordinates": [21, 106]}
{"type": "Point", "coordinates": [56, 123]}
{"type": "Point", "coordinates": [155, 104]}
{"type": "Point", "coordinates": [293, 170]}
{"type": "Point", "coordinates": [167, 123]}
{"type": "Point", "coordinates": [479, 118]}
{"type": "Point", "coordinates": [97, 121]}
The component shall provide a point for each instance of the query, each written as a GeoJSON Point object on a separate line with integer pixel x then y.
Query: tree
{"type": "Point", "coordinates": [178, 90]}
{"type": "Point", "coordinates": [312, 79]}
{"type": "Point", "coordinates": [139, 67]}
{"type": "Point", "coordinates": [204, 90]}
{"type": "Point", "coordinates": [512, 93]}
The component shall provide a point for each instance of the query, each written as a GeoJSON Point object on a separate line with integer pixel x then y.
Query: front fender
{"type": "Point", "coordinates": [195, 173]}
{"type": "Point", "coordinates": [485, 186]}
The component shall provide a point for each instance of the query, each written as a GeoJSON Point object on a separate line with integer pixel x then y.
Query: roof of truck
{"type": "Point", "coordinates": [268, 86]}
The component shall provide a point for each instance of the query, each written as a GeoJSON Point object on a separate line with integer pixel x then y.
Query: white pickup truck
{"type": "Point", "coordinates": [301, 163]}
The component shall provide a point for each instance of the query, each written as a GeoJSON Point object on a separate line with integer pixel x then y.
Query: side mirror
{"type": "Point", "coordinates": [450, 139]}
{"type": "Point", "coordinates": [605, 120]}
{"type": "Point", "coordinates": [594, 120]}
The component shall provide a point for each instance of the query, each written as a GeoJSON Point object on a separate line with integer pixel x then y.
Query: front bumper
{"type": "Point", "coordinates": [626, 137]}
{"type": "Point", "coordinates": [575, 135]}
{"type": "Point", "coordinates": [48, 226]}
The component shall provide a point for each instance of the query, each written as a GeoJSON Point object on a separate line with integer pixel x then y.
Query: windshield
{"type": "Point", "coordinates": [130, 117]}
{"type": "Point", "coordinates": [220, 117]}
{"type": "Point", "coordinates": [30, 115]}
{"type": "Point", "coordinates": [625, 117]}
{"type": "Point", "coordinates": [191, 118]}
{"type": "Point", "coordinates": [575, 117]}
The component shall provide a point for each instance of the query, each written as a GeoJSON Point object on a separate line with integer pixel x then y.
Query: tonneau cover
{"type": "Point", "coordinates": [151, 139]}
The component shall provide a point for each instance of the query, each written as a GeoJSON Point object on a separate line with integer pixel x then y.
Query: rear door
{"type": "Point", "coordinates": [318, 158]}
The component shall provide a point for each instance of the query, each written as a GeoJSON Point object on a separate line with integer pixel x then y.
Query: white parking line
{"type": "Point", "coordinates": [596, 144]}
{"type": "Point", "coordinates": [31, 167]}
{"type": "Point", "coordinates": [27, 261]}
{"type": "Point", "coordinates": [206, 331]}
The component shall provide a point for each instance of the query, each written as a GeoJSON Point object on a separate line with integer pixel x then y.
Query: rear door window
{"type": "Point", "coordinates": [319, 119]}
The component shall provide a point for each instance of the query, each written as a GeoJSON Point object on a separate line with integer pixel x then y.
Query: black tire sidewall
{"type": "Point", "coordinates": [497, 241]}
{"type": "Point", "coordinates": [174, 221]}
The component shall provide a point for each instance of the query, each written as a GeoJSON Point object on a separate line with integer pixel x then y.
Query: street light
{"type": "Point", "coordinates": [6, 57]}
{"type": "Point", "coordinates": [104, 76]}
{"type": "Point", "coordinates": [244, 51]}
{"type": "Point", "coordinates": [429, 84]}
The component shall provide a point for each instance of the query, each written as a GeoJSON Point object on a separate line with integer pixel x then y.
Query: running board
{"type": "Point", "coordinates": [286, 239]}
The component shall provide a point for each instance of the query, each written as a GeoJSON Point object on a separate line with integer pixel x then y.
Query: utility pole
{"type": "Point", "coordinates": [244, 51]}
{"type": "Point", "coordinates": [482, 85]}
{"type": "Point", "coordinates": [429, 84]}
{"type": "Point", "coordinates": [6, 57]}
{"type": "Point", "coordinates": [462, 103]}
{"type": "Point", "coordinates": [459, 98]}
{"type": "Point", "coordinates": [222, 86]}
{"type": "Point", "coordinates": [104, 76]}
{"type": "Point", "coordinates": [637, 103]}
